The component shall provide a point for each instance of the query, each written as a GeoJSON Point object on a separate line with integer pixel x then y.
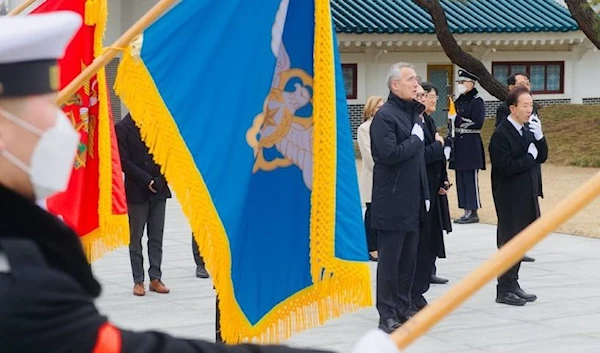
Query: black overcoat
{"type": "Point", "coordinates": [438, 218]}
{"type": "Point", "coordinates": [138, 165]}
{"type": "Point", "coordinates": [515, 178]}
{"type": "Point", "coordinates": [501, 114]}
{"type": "Point", "coordinates": [399, 177]}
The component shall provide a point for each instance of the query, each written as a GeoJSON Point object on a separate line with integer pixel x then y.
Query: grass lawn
{"type": "Point", "coordinates": [573, 134]}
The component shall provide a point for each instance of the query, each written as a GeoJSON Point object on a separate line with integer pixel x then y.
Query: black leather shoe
{"type": "Point", "coordinates": [524, 295]}
{"type": "Point", "coordinates": [527, 259]}
{"type": "Point", "coordinates": [510, 298]}
{"type": "Point", "coordinates": [389, 325]}
{"type": "Point", "coordinates": [470, 219]}
{"type": "Point", "coordinates": [201, 272]}
{"type": "Point", "coordinates": [438, 280]}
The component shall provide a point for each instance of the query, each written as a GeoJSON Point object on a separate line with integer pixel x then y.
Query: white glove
{"type": "Point", "coordinates": [532, 150]}
{"type": "Point", "coordinates": [417, 130]}
{"type": "Point", "coordinates": [427, 205]}
{"type": "Point", "coordinates": [535, 126]}
{"type": "Point", "coordinates": [375, 341]}
{"type": "Point", "coordinates": [447, 150]}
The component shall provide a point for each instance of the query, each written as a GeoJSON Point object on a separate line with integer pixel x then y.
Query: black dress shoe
{"type": "Point", "coordinates": [419, 302]}
{"type": "Point", "coordinates": [527, 296]}
{"type": "Point", "coordinates": [510, 298]}
{"type": "Point", "coordinates": [527, 259]}
{"type": "Point", "coordinates": [201, 272]}
{"type": "Point", "coordinates": [438, 280]}
{"type": "Point", "coordinates": [389, 325]}
{"type": "Point", "coordinates": [470, 219]}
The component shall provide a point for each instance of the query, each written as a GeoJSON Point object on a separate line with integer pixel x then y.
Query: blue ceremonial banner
{"type": "Point", "coordinates": [242, 103]}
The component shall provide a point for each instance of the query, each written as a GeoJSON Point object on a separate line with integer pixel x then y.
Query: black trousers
{"type": "Point", "coordinates": [371, 233]}
{"type": "Point", "coordinates": [467, 188]}
{"type": "Point", "coordinates": [395, 272]}
{"type": "Point", "coordinates": [425, 268]}
{"type": "Point", "coordinates": [150, 215]}
{"type": "Point", "coordinates": [196, 252]}
{"type": "Point", "coordinates": [509, 281]}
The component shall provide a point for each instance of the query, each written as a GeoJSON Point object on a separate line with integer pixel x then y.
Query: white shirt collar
{"type": "Point", "coordinates": [514, 123]}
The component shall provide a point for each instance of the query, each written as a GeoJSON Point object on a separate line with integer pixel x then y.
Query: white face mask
{"type": "Point", "coordinates": [52, 158]}
{"type": "Point", "coordinates": [461, 88]}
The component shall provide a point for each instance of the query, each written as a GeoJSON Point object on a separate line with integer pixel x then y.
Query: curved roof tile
{"type": "Point", "coordinates": [471, 16]}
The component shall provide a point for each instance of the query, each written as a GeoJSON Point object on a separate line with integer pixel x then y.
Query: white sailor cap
{"type": "Point", "coordinates": [464, 75]}
{"type": "Point", "coordinates": [30, 47]}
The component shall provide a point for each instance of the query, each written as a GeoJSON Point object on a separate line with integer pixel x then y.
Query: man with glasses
{"type": "Point", "coordinates": [519, 79]}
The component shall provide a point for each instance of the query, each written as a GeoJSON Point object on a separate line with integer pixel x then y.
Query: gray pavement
{"type": "Point", "coordinates": [565, 318]}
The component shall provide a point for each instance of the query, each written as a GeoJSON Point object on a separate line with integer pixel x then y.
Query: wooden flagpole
{"type": "Point", "coordinates": [24, 5]}
{"type": "Point", "coordinates": [505, 258]}
{"type": "Point", "coordinates": [109, 53]}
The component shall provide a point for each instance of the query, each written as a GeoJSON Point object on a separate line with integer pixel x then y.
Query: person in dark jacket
{"type": "Point", "coordinates": [147, 193]}
{"type": "Point", "coordinates": [519, 79]}
{"type": "Point", "coordinates": [400, 196]}
{"type": "Point", "coordinates": [467, 155]}
{"type": "Point", "coordinates": [515, 152]}
{"type": "Point", "coordinates": [515, 80]}
{"type": "Point", "coordinates": [431, 237]}
{"type": "Point", "coordinates": [47, 289]}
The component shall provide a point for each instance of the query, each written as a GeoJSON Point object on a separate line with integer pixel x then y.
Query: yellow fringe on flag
{"type": "Point", "coordinates": [113, 230]}
{"type": "Point", "coordinates": [92, 13]}
{"type": "Point", "coordinates": [350, 287]}
{"type": "Point", "coordinates": [328, 272]}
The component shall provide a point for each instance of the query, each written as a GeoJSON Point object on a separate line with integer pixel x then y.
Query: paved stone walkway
{"type": "Point", "coordinates": [565, 318]}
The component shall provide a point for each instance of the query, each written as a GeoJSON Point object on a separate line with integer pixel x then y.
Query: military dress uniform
{"type": "Point", "coordinates": [468, 156]}
{"type": "Point", "coordinates": [47, 289]}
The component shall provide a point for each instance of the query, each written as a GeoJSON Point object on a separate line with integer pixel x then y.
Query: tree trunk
{"type": "Point", "coordinates": [587, 19]}
{"type": "Point", "coordinates": [456, 54]}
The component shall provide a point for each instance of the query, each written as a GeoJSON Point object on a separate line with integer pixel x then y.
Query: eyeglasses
{"type": "Point", "coordinates": [420, 95]}
{"type": "Point", "coordinates": [432, 97]}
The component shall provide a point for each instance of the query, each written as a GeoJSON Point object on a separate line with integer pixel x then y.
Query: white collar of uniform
{"type": "Point", "coordinates": [4, 265]}
{"type": "Point", "coordinates": [514, 123]}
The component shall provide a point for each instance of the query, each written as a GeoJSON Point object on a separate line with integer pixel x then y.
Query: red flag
{"type": "Point", "coordinates": [94, 203]}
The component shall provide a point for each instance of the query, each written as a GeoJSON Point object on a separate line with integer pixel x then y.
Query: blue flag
{"type": "Point", "coordinates": [242, 103]}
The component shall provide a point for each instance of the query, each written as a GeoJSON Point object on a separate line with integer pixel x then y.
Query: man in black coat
{"type": "Point", "coordinates": [516, 149]}
{"type": "Point", "coordinates": [467, 155]}
{"type": "Point", "coordinates": [147, 193]}
{"type": "Point", "coordinates": [431, 237]}
{"type": "Point", "coordinates": [515, 80]}
{"type": "Point", "coordinates": [400, 193]}
{"type": "Point", "coordinates": [47, 289]}
{"type": "Point", "coordinates": [519, 79]}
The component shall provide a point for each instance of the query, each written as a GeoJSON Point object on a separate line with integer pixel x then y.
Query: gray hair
{"type": "Point", "coordinates": [394, 72]}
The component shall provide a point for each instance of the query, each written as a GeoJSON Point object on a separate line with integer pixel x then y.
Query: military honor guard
{"type": "Point", "coordinates": [467, 155]}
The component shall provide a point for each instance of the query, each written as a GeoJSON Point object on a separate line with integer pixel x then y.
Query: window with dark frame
{"type": "Point", "coordinates": [350, 74]}
{"type": "Point", "coordinates": [546, 77]}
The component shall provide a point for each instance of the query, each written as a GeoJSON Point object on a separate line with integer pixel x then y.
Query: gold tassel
{"type": "Point", "coordinates": [91, 12]}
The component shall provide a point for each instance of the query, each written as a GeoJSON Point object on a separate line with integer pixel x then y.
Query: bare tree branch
{"type": "Point", "coordinates": [456, 54]}
{"type": "Point", "coordinates": [587, 19]}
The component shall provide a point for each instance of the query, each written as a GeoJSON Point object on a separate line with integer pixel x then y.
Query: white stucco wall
{"type": "Point", "coordinates": [586, 81]}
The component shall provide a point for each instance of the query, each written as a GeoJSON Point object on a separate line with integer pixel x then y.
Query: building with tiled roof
{"type": "Point", "coordinates": [536, 36]}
